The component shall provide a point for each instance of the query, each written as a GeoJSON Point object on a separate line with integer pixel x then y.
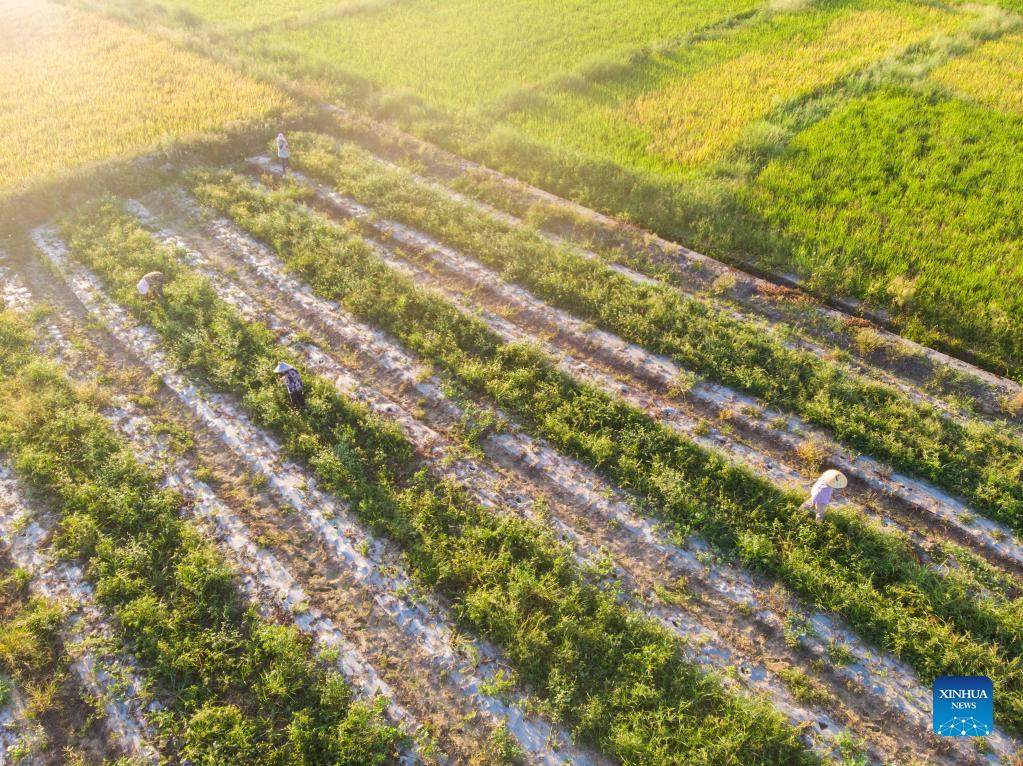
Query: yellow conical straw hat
{"type": "Point", "coordinates": [834, 479]}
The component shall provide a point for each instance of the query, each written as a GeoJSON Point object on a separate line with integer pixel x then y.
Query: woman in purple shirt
{"type": "Point", "coordinates": [822, 491]}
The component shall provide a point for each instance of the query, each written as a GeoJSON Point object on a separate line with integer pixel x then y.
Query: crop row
{"type": "Point", "coordinates": [980, 462]}
{"type": "Point", "coordinates": [843, 565]}
{"type": "Point", "coordinates": [926, 373]}
{"type": "Point", "coordinates": [651, 383]}
{"type": "Point", "coordinates": [102, 679]}
{"type": "Point", "coordinates": [367, 570]}
{"type": "Point", "coordinates": [234, 688]}
{"type": "Point", "coordinates": [583, 509]}
{"type": "Point", "coordinates": [621, 681]}
{"type": "Point", "coordinates": [528, 478]}
{"type": "Point", "coordinates": [35, 674]}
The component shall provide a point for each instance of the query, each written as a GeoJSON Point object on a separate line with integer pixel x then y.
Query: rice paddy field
{"type": "Point", "coordinates": [79, 89]}
{"type": "Point", "coordinates": [467, 54]}
{"type": "Point", "coordinates": [670, 119]}
{"type": "Point", "coordinates": [541, 496]}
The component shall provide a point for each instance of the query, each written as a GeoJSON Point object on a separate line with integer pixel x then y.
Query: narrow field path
{"type": "Point", "coordinates": [108, 676]}
{"type": "Point", "coordinates": [651, 383]}
{"type": "Point", "coordinates": [725, 613]}
{"type": "Point", "coordinates": [780, 301]}
{"type": "Point", "coordinates": [464, 668]}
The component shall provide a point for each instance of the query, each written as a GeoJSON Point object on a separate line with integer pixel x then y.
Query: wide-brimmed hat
{"type": "Point", "coordinates": [282, 368]}
{"type": "Point", "coordinates": [834, 479]}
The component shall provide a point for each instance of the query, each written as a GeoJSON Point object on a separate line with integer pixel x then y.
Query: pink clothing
{"type": "Point", "coordinates": [820, 495]}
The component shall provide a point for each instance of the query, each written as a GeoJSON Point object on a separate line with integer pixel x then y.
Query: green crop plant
{"type": "Point", "coordinates": [868, 575]}
{"type": "Point", "coordinates": [982, 463]}
{"type": "Point", "coordinates": [620, 680]}
{"type": "Point", "coordinates": [233, 686]}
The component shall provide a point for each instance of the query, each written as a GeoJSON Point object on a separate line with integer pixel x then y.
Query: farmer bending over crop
{"type": "Point", "coordinates": [283, 153]}
{"type": "Point", "coordinates": [822, 491]}
{"type": "Point", "coordinates": [151, 285]}
{"type": "Point", "coordinates": [293, 383]}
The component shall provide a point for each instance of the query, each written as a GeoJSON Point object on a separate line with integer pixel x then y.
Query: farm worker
{"type": "Point", "coordinates": [151, 285]}
{"type": "Point", "coordinates": [293, 383]}
{"type": "Point", "coordinates": [822, 491]}
{"type": "Point", "coordinates": [283, 153]}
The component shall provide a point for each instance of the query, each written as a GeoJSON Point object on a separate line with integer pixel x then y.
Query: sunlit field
{"type": "Point", "coordinates": [913, 204]}
{"type": "Point", "coordinates": [684, 107]}
{"type": "Point", "coordinates": [240, 15]}
{"type": "Point", "coordinates": [696, 117]}
{"type": "Point", "coordinates": [465, 53]}
{"type": "Point", "coordinates": [77, 89]}
{"type": "Point", "coordinates": [465, 382]}
{"type": "Point", "coordinates": [992, 74]}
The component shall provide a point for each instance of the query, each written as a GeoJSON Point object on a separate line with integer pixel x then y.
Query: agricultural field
{"type": "Point", "coordinates": [687, 106]}
{"type": "Point", "coordinates": [466, 54]}
{"type": "Point", "coordinates": [941, 236]}
{"type": "Point", "coordinates": [239, 16]}
{"type": "Point", "coordinates": [106, 91]}
{"type": "Point", "coordinates": [541, 494]}
{"type": "Point", "coordinates": [667, 115]}
{"type": "Point", "coordinates": [991, 74]}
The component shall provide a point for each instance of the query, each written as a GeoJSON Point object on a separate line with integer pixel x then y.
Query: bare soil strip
{"type": "Point", "coordinates": [496, 493]}
{"type": "Point", "coordinates": [586, 513]}
{"type": "Point", "coordinates": [651, 383]}
{"type": "Point", "coordinates": [470, 667]}
{"type": "Point", "coordinates": [18, 734]}
{"type": "Point", "coordinates": [917, 364]}
{"type": "Point", "coordinates": [265, 579]}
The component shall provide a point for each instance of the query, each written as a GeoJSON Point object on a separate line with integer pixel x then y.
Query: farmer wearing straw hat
{"type": "Point", "coordinates": [822, 491]}
{"type": "Point", "coordinates": [293, 383]}
{"type": "Point", "coordinates": [151, 285]}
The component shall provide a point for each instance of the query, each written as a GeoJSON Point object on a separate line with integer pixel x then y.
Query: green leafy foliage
{"type": "Point", "coordinates": [868, 575]}
{"type": "Point", "coordinates": [910, 201]}
{"type": "Point", "coordinates": [621, 681]}
{"type": "Point", "coordinates": [982, 463]}
{"type": "Point", "coordinates": [232, 685]}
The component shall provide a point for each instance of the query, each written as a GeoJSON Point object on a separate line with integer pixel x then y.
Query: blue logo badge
{"type": "Point", "coordinates": [964, 706]}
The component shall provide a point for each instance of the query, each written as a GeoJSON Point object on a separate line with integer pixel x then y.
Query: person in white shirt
{"type": "Point", "coordinates": [292, 384]}
{"type": "Point", "coordinates": [283, 153]}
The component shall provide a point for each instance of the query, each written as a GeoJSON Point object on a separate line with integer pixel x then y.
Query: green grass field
{"type": "Point", "coordinates": [464, 54]}
{"type": "Point", "coordinates": [913, 203]}
{"type": "Point", "coordinates": [992, 75]}
{"type": "Point", "coordinates": [686, 106]}
{"type": "Point", "coordinates": [666, 114]}
{"type": "Point", "coordinates": [238, 16]}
